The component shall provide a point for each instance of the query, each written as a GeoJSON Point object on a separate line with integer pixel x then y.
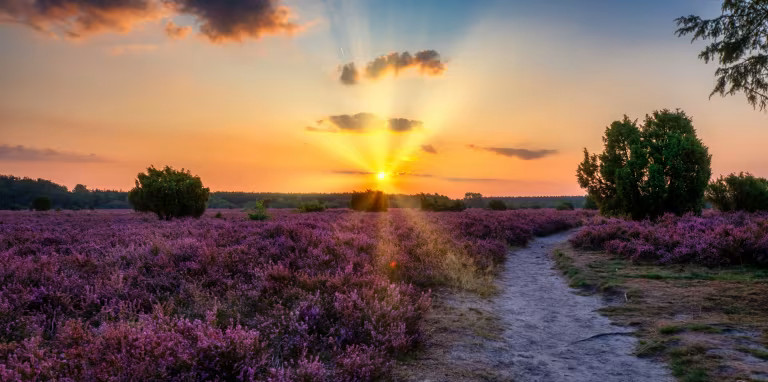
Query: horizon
{"type": "Point", "coordinates": [493, 97]}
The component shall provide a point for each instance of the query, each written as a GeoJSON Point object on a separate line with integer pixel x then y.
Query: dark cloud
{"type": "Point", "coordinates": [237, 20]}
{"type": "Point", "coordinates": [523, 154]}
{"type": "Point", "coordinates": [428, 62]}
{"type": "Point", "coordinates": [218, 20]}
{"type": "Point", "coordinates": [79, 18]}
{"type": "Point", "coordinates": [429, 149]}
{"type": "Point", "coordinates": [362, 122]}
{"type": "Point", "coordinates": [21, 153]}
{"type": "Point", "coordinates": [349, 75]}
{"type": "Point", "coordinates": [401, 125]}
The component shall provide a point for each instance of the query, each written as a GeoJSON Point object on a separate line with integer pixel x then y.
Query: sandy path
{"type": "Point", "coordinates": [535, 329]}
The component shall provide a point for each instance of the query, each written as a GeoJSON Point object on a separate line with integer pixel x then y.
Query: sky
{"type": "Point", "coordinates": [496, 97]}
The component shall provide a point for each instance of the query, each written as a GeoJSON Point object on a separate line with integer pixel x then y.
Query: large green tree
{"type": "Point", "coordinates": [646, 171]}
{"type": "Point", "coordinates": [169, 193]}
{"type": "Point", "coordinates": [739, 44]}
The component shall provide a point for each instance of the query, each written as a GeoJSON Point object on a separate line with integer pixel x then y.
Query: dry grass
{"type": "Point", "coordinates": [708, 324]}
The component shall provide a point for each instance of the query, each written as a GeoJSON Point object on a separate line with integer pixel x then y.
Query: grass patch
{"type": "Point", "coordinates": [759, 353]}
{"type": "Point", "coordinates": [694, 327]}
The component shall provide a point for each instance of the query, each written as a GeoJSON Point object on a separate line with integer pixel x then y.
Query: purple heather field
{"type": "Point", "coordinates": [337, 295]}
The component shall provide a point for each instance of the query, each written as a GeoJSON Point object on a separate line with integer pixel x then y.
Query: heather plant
{"type": "Point", "coordinates": [326, 296]}
{"type": "Point", "coordinates": [714, 239]}
{"type": "Point", "coordinates": [169, 193]}
{"type": "Point", "coordinates": [743, 192]}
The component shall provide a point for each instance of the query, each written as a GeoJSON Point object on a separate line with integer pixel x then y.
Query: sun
{"type": "Point", "coordinates": [381, 175]}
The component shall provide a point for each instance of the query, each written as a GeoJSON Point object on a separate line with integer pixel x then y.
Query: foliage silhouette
{"type": "Point", "coordinates": [169, 193]}
{"type": "Point", "coordinates": [41, 203]}
{"type": "Point", "coordinates": [738, 44]}
{"type": "Point", "coordinates": [438, 203]}
{"type": "Point", "coordinates": [497, 205]}
{"type": "Point", "coordinates": [742, 192]}
{"type": "Point", "coordinates": [369, 201]}
{"type": "Point", "coordinates": [646, 171]}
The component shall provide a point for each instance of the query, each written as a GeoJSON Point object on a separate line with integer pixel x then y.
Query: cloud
{"type": "Point", "coordinates": [349, 75]}
{"type": "Point", "coordinates": [429, 149]}
{"type": "Point", "coordinates": [237, 20]}
{"type": "Point", "coordinates": [81, 18]}
{"type": "Point", "coordinates": [523, 154]}
{"type": "Point", "coordinates": [218, 20]}
{"type": "Point", "coordinates": [119, 50]}
{"type": "Point", "coordinates": [176, 32]}
{"type": "Point", "coordinates": [21, 153]}
{"type": "Point", "coordinates": [428, 62]}
{"type": "Point", "coordinates": [363, 122]}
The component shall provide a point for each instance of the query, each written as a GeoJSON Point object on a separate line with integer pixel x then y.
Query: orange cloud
{"type": "Point", "coordinates": [176, 31]}
{"type": "Point", "coordinates": [363, 122]}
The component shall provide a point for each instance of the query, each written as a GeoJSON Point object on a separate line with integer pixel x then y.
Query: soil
{"type": "Point", "coordinates": [536, 328]}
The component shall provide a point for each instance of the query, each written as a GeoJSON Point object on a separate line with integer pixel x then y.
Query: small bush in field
{"type": "Point", "coordinates": [218, 215]}
{"type": "Point", "coordinates": [312, 206]}
{"type": "Point", "coordinates": [497, 205]}
{"type": "Point", "coordinates": [369, 201]}
{"type": "Point", "coordinates": [742, 192]}
{"type": "Point", "coordinates": [169, 193]}
{"type": "Point", "coordinates": [565, 206]}
{"type": "Point", "coordinates": [258, 211]}
{"type": "Point", "coordinates": [42, 203]}
{"type": "Point", "coordinates": [439, 203]}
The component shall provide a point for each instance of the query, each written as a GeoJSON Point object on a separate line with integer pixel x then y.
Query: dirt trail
{"type": "Point", "coordinates": [535, 329]}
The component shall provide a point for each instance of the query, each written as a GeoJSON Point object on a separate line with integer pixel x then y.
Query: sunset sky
{"type": "Point", "coordinates": [497, 97]}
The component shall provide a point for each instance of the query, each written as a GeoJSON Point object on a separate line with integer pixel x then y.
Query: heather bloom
{"type": "Point", "coordinates": [334, 295]}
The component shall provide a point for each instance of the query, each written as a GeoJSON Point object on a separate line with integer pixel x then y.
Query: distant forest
{"type": "Point", "coordinates": [19, 193]}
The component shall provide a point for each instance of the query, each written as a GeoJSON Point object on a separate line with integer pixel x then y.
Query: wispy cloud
{"type": "Point", "coordinates": [428, 62]}
{"type": "Point", "coordinates": [524, 154]}
{"type": "Point", "coordinates": [363, 122]}
{"type": "Point", "coordinates": [21, 153]}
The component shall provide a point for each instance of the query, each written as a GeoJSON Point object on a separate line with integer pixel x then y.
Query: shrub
{"type": "Point", "coordinates": [589, 203]}
{"type": "Point", "coordinates": [169, 193]}
{"type": "Point", "coordinates": [649, 170]}
{"type": "Point", "coordinates": [369, 201]}
{"type": "Point", "coordinates": [438, 202]}
{"type": "Point", "coordinates": [218, 215]}
{"type": "Point", "coordinates": [497, 205]}
{"type": "Point", "coordinates": [312, 206]}
{"type": "Point", "coordinates": [41, 203]}
{"type": "Point", "coordinates": [258, 211]}
{"type": "Point", "coordinates": [564, 206]}
{"type": "Point", "coordinates": [742, 192]}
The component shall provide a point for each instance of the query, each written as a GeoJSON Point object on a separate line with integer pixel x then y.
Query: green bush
{"type": "Point", "coordinates": [258, 211]}
{"type": "Point", "coordinates": [169, 193]}
{"type": "Point", "coordinates": [497, 205]}
{"type": "Point", "coordinates": [438, 202]}
{"type": "Point", "coordinates": [369, 201]}
{"type": "Point", "coordinates": [648, 170]}
{"type": "Point", "coordinates": [564, 206]}
{"type": "Point", "coordinates": [41, 203]}
{"type": "Point", "coordinates": [589, 203]}
{"type": "Point", "coordinates": [742, 192]}
{"type": "Point", "coordinates": [312, 206]}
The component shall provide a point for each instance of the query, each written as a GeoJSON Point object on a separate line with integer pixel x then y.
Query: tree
{"type": "Point", "coordinates": [369, 201]}
{"type": "Point", "coordinates": [41, 203]}
{"type": "Point", "coordinates": [497, 205]}
{"type": "Point", "coordinates": [169, 193]}
{"type": "Point", "coordinates": [743, 192]}
{"type": "Point", "coordinates": [473, 199]}
{"type": "Point", "coordinates": [739, 44]}
{"type": "Point", "coordinates": [645, 171]}
{"type": "Point", "coordinates": [437, 202]}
